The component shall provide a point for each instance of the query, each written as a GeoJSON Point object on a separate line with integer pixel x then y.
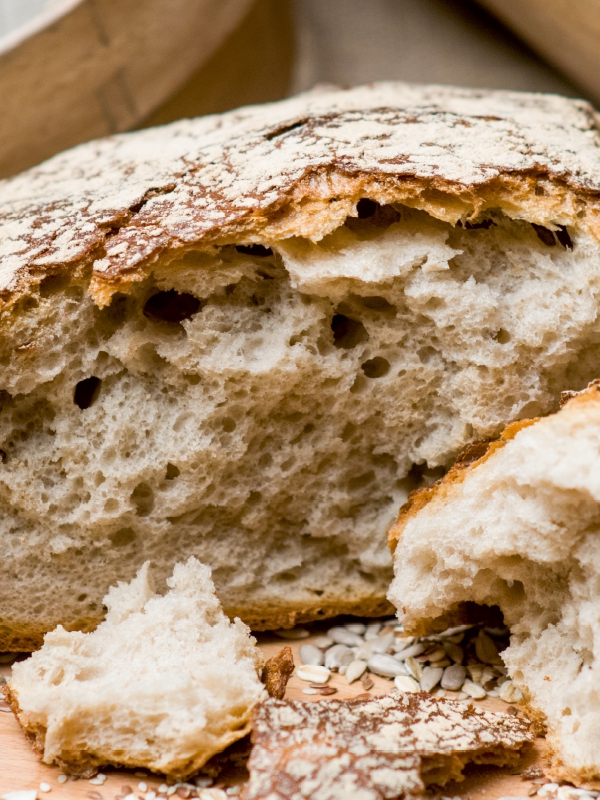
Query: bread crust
{"type": "Point", "coordinates": [23, 636]}
{"type": "Point", "coordinates": [296, 168]}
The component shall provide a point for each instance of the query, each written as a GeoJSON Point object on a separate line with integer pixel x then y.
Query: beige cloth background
{"type": "Point", "coordinates": [432, 41]}
{"type": "Point", "coordinates": [288, 46]}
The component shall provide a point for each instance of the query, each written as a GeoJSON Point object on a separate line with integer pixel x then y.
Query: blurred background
{"type": "Point", "coordinates": [72, 70]}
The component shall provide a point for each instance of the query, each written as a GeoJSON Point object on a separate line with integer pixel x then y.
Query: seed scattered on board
{"type": "Point", "coordinates": [464, 659]}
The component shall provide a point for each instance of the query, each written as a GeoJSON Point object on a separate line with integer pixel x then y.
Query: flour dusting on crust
{"type": "Point", "coordinates": [383, 747]}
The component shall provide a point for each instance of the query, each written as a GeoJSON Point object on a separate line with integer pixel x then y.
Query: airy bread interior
{"type": "Point", "coordinates": [520, 529]}
{"type": "Point", "coordinates": [165, 682]}
{"type": "Point", "coordinates": [263, 408]}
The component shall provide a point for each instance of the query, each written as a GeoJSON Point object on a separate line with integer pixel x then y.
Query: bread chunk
{"type": "Point", "coordinates": [245, 337]}
{"type": "Point", "coordinates": [165, 682]}
{"type": "Point", "coordinates": [519, 527]}
{"type": "Point", "coordinates": [392, 746]}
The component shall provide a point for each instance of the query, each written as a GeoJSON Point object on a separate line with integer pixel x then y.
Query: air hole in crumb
{"type": "Point", "coordinates": [3, 456]}
{"type": "Point", "coordinates": [376, 367]}
{"type": "Point", "coordinates": [171, 306]}
{"type": "Point", "coordinates": [254, 250]}
{"type": "Point", "coordinates": [86, 392]}
{"type": "Point", "coordinates": [122, 537]}
{"type": "Point", "coordinates": [502, 337]}
{"type": "Point", "coordinates": [566, 712]}
{"type": "Point", "coordinates": [365, 208]}
{"type": "Point", "coordinates": [228, 424]}
{"type": "Point", "coordinates": [82, 597]}
{"type": "Point", "coordinates": [347, 332]}
{"type": "Point", "coordinates": [172, 472]}
{"type": "Point", "coordinates": [52, 284]}
{"type": "Point", "coordinates": [349, 431]}
{"type": "Point", "coordinates": [545, 235]}
{"type": "Point", "coordinates": [143, 499]}
{"type": "Point", "coordinates": [254, 498]}
{"type": "Point", "coordinates": [562, 234]}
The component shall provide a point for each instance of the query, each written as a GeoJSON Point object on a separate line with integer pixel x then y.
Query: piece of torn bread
{"type": "Point", "coordinates": [519, 527]}
{"type": "Point", "coordinates": [165, 682]}
{"type": "Point", "coordinates": [235, 337]}
{"type": "Point", "coordinates": [392, 746]}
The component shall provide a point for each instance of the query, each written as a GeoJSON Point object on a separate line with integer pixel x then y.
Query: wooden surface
{"type": "Point", "coordinates": [87, 68]}
{"type": "Point", "coordinates": [566, 33]}
{"type": "Point", "coordinates": [21, 769]}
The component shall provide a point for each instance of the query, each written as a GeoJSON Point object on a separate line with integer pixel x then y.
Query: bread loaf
{"type": "Point", "coordinates": [245, 337]}
{"type": "Point", "coordinates": [519, 528]}
{"type": "Point", "coordinates": [165, 682]}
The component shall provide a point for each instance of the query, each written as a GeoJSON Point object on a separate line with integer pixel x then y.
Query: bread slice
{"type": "Point", "coordinates": [242, 337]}
{"type": "Point", "coordinates": [165, 682]}
{"type": "Point", "coordinates": [518, 528]}
{"type": "Point", "coordinates": [391, 746]}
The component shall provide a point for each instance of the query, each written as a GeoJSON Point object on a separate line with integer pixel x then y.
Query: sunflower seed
{"type": "Point", "coordinates": [404, 683]}
{"type": "Point", "coordinates": [355, 670]}
{"type": "Point", "coordinates": [309, 654]}
{"type": "Point", "coordinates": [343, 636]}
{"type": "Point", "coordinates": [364, 652]}
{"type": "Point", "coordinates": [453, 678]}
{"type": "Point", "coordinates": [328, 690]}
{"type": "Point", "coordinates": [486, 650]}
{"type": "Point", "coordinates": [412, 651]}
{"type": "Point", "coordinates": [386, 666]}
{"type": "Point", "coordinates": [367, 683]}
{"type": "Point", "coordinates": [415, 670]}
{"type": "Point", "coordinates": [338, 655]}
{"type": "Point", "coordinates": [510, 693]}
{"type": "Point", "coordinates": [356, 627]}
{"type": "Point", "coordinates": [292, 633]}
{"type": "Point", "coordinates": [439, 654]}
{"type": "Point", "coordinates": [382, 643]}
{"type": "Point", "coordinates": [312, 673]}
{"type": "Point", "coordinates": [474, 690]}
{"type": "Point", "coordinates": [322, 642]}
{"type": "Point", "coordinates": [430, 678]}
{"type": "Point", "coordinates": [454, 652]}
{"type": "Point", "coordinates": [372, 630]}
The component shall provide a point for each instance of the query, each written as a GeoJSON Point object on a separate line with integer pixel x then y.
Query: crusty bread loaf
{"type": "Point", "coordinates": [233, 337]}
{"type": "Point", "coordinates": [518, 527]}
{"type": "Point", "coordinates": [165, 682]}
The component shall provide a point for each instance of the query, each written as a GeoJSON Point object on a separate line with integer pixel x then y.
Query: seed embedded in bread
{"type": "Point", "coordinates": [164, 683]}
{"type": "Point", "coordinates": [517, 528]}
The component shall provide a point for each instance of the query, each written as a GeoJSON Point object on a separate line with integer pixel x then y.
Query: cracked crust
{"type": "Point", "coordinates": [296, 168]}
{"type": "Point", "coordinates": [385, 747]}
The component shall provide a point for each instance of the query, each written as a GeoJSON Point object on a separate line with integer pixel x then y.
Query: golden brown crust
{"type": "Point", "coordinates": [296, 168]}
{"type": "Point", "coordinates": [26, 637]}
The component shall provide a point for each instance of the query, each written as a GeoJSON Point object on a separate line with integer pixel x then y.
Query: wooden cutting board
{"type": "Point", "coordinates": [21, 769]}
